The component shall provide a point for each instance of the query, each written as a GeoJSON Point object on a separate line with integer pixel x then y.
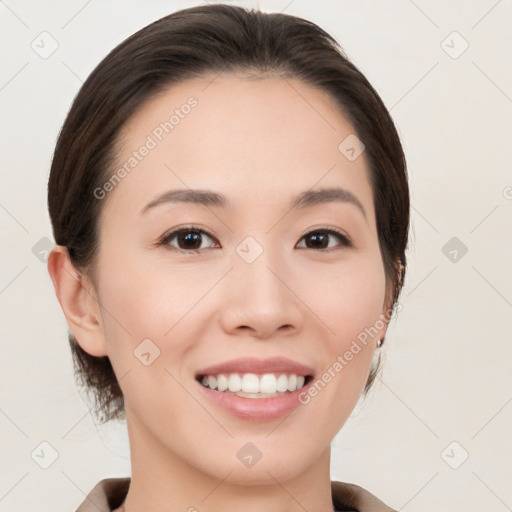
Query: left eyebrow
{"type": "Point", "coordinates": [327, 195]}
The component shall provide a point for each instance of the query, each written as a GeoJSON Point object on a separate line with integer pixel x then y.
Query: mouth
{"type": "Point", "coordinates": [253, 385]}
{"type": "Point", "coordinates": [255, 397]}
{"type": "Point", "coordinates": [250, 377]}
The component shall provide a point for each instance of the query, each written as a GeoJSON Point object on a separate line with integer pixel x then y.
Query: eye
{"type": "Point", "coordinates": [319, 239]}
{"type": "Point", "coordinates": [188, 239]}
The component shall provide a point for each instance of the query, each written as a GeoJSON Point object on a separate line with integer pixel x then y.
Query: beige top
{"type": "Point", "coordinates": [109, 494]}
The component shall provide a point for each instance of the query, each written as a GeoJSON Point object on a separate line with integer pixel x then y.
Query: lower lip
{"type": "Point", "coordinates": [255, 409]}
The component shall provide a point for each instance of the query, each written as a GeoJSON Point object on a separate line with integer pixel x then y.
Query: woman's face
{"type": "Point", "coordinates": [256, 277]}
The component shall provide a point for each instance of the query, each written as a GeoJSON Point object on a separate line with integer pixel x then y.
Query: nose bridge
{"type": "Point", "coordinates": [257, 296]}
{"type": "Point", "coordinates": [255, 267]}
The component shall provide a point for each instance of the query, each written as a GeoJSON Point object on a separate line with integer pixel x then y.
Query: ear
{"type": "Point", "coordinates": [79, 302]}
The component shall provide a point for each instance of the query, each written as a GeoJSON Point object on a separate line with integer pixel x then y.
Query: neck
{"type": "Point", "coordinates": [164, 481]}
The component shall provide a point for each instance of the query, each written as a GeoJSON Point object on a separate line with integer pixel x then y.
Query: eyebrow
{"type": "Point", "coordinates": [327, 195]}
{"type": "Point", "coordinates": [214, 199]}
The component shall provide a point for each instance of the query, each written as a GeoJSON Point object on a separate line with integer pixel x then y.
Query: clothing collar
{"type": "Point", "coordinates": [109, 494]}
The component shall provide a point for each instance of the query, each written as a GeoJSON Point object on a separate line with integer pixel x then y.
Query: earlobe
{"type": "Point", "coordinates": [78, 301]}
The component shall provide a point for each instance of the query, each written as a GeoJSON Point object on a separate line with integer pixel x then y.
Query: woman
{"type": "Point", "coordinates": [230, 204]}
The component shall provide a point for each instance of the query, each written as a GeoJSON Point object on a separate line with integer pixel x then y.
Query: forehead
{"type": "Point", "coordinates": [242, 136]}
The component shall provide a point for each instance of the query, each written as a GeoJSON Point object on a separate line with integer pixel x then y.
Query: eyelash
{"type": "Point", "coordinates": [164, 241]}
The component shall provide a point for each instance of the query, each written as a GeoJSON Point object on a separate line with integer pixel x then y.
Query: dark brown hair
{"type": "Point", "coordinates": [190, 43]}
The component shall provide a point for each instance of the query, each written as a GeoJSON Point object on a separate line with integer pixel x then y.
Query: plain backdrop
{"type": "Point", "coordinates": [435, 431]}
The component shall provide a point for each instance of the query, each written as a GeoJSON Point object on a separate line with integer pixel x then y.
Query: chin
{"type": "Point", "coordinates": [267, 465]}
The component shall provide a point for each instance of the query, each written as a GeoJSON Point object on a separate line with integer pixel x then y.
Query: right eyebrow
{"type": "Point", "coordinates": [205, 197]}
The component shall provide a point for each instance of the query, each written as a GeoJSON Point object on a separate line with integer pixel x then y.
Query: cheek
{"type": "Point", "coordinates": [347, 298]}
{"type": "Point", "coordinates": [349, 304]}
{"type": "Point", "coordinates": [170, 307]}
{"type": "Point", "coordinates": [149, 301]}
{"type": "Point", "coordinates": [151, 328]}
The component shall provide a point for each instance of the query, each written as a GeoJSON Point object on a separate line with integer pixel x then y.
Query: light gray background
{"type": "Point", "coordinates": [448, 365]}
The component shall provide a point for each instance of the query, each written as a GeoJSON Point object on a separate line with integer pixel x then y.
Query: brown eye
{"type": "Point", "coordinates": [189, 240]}
{"type": "Point", "coordinates": [320, 239]}
{"type": "Point", "coordinates": [186, 239]}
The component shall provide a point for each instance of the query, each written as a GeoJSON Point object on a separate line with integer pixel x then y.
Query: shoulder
{"type": "Point", "coordinates": [106, 495]}
{"type": "Point", "coordinates": [359, 499]}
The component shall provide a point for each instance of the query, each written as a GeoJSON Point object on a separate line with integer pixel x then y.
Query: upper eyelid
{"type": "Point", "coordinates": [172, 234]}
{"type": "Point", "coordinates": [345, 239]}
{"type": "Point", "coordinates": [328, 229]}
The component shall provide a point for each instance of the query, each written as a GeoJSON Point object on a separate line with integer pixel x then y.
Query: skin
{"type": "Point", "coordinates": [260, 143]}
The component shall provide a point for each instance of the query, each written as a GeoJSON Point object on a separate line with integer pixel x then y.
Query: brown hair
{"type": "Point", "coordinates": [190, 43]}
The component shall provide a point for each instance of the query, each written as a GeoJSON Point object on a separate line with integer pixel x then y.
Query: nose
{"type": "Point", "coordinates": [259, 299]}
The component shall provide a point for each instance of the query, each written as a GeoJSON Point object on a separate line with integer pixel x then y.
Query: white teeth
{"type": "Point", "coordinates": [259, 395]}
{"type": "Point", "coordinates": [282, 383]}
{"type": "Point", "coordinates": [250, 383]}
{"type": "Point", "coordinates": [292, 382]}
{"type": "Point", "coordinates": [222, 383]}
{"type": "Point", "coordinates": [268, 383]}
{"type": "Point", "coordinates": [235, 383]}
{"type": "Point", "coordinates": [255, 386]}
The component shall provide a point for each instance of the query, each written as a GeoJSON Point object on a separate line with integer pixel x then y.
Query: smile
{"type": "Point", "coordinates": [255, 406]}
{"type": "Point", "coordinates": [251, 385]}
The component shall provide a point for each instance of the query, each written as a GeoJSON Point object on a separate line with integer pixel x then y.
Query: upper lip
{"type": "Point", "coordinates": [254, 365]}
